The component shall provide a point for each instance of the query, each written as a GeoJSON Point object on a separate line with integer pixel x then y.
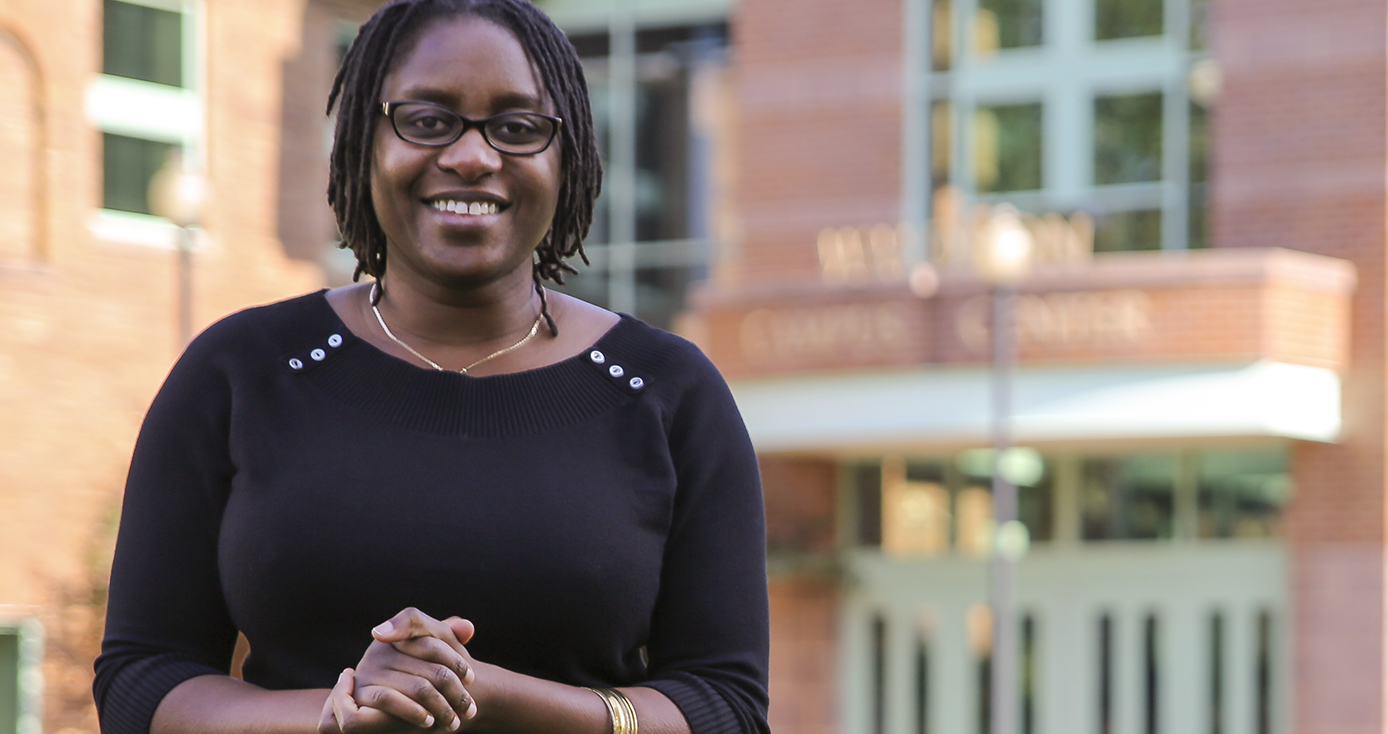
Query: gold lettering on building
{"type": "Point", "coordinates": [882, 252]}
{"type": "Point", "coordinates": [849, 255]}
{"type": "Point", "coordinates": [799, 334]}
{"type": "Point", "coordinates": [1057, 320]}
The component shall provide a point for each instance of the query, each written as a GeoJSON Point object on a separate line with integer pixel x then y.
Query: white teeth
{"type": "Point", "coordinates": [462, 207]}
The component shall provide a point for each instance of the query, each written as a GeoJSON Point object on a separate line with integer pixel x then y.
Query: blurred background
{"type": "Point", "coordinates": [809, 189]}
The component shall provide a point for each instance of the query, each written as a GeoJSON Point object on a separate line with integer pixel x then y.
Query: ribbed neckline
{"type": "Point", "coordinates": [401, 394]}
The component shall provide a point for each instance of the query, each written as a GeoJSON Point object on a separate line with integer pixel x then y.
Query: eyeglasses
{"type": "Point", "coordinates": [515, 133]}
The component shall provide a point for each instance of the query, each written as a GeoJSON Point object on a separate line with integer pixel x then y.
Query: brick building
{"type": "Point", "coordinates": [1201, 380]}
{"type": "Point", "coordinates": [1202, 344]}
{"type": "Point", "coordinates": [88, 284]}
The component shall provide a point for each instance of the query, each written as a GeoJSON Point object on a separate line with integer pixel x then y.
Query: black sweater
{"type": "Point", "coordinates": [598, 519]}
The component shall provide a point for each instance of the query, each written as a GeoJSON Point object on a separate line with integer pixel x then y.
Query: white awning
{"type": "Point", "coordinates": [951, 405]}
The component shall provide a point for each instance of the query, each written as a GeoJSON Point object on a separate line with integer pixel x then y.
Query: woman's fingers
{"type": "Point", "coordinates": [344, 716]}
{"type": "Point", "coordinates": [333, 708]}
{"type": "Point", "coordinates": [462, 628]}
{"type": "Point", "coordinates": [413, 623]}
{"type": "Point", "coordinates": [418, 670]}
{"type": "Point", "coordinates": [390, 698]}
{"type": "Point", "coordinates": [439, 662]}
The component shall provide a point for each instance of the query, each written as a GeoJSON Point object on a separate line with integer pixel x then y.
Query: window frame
{"type": "Point", "coordinates": [1067, 73]}
{"type": "Point", "coordinates": [619, 258]}
{"type": "Point", "coordinates": [23, 623]}
{"type": "Point", "coordinates": [121, 106]}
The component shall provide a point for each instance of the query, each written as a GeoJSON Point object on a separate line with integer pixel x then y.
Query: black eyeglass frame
{"type": "Point", "coordinates": [468, 124]}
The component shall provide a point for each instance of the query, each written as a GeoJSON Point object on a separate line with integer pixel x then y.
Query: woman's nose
{"type": "Point", "coordinates": [470, 155]}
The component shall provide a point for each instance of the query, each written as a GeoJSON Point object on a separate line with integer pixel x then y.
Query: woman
{"type": "Point", "coordinates": [546, 515]}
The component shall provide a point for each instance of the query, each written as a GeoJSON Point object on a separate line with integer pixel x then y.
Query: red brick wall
{"type": "Point", "coordinates": [804, 656]}
{"type": "Point", "coordinates": [801, 496]}
{"type": "Point", "coordinates": [88, 331]}
{"type": "Point", "coordinates": [819, 105]}
{"type": "Point", "coordinates": [1300, 153]}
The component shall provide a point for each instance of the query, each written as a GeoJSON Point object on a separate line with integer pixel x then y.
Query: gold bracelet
{"type": "Point", "coordinates": [619, 708]}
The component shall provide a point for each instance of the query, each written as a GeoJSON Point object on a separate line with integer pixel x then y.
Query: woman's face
{"type": "Point", "coordinates": [477, 69]}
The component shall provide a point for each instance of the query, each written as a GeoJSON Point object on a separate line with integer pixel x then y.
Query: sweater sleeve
{"type": "Point", "coordinates": [709, 645]}
{"type": "Point", "coordinates": [166, 619]}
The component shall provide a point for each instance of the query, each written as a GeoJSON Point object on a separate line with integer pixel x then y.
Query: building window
{"type": "Point", "coordinates": [1135, 154]}
{"type": "Point", "coordinates": [1242, 493]}
{"type": "Point", "coordinates": [1127, 19]}
{"type": "Point", "coordinates": [929, 507]}
{"type": "Point", "coordinates": [128, 165]}
{"type": "Point", "coordinates": [142, 42]}
{"type": "Point", "coordinates": [941, 143]}
{"type": "Point", "coordinates": [1007, 148]}
{"type": "Point", "coordinates": [1128, 138]}
{"type": "Point", "coordinates": [1199, 174]}
{"type": "Point", "coordinates": [1128, 498]}
{"type": "Point", "coordinates": [942, 32]}
{"type": "Point", "coordinates": [1200, 24]}
{"type": "Point", "coordinates": [21, 675]}
{"type": "Point", "coordinates": [659, 106]}
{"type": "Point", "coordinates": [146, 102]}
{"type": "Point", "coordinates": [1004, 24]}
{"type": "Point", "coordinates": [1131, 230]}
{"type": "Point", "coordinates": [926, 508]}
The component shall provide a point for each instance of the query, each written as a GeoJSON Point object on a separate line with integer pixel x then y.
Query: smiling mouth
{"type": "Point", "coordinates": [475, 208]}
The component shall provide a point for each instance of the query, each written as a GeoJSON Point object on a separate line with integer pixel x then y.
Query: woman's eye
{"type": "Point", "coordinates": [517, 127]}
{"type": "Point", "coordinates": [429, 122]}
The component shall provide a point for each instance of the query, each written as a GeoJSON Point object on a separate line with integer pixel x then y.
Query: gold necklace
{"type": "Point", "coordinates": [534, 329]}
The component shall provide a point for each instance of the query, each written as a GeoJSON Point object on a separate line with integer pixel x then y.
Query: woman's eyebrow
{"type": "Point", "coordinates": [506, 100]}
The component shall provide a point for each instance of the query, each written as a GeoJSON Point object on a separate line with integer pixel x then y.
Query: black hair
{"type": "Point", "coordinates": [356, 92]}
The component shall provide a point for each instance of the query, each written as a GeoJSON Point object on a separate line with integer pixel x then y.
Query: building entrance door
{"type": "Point", "coordinates": [1117, 638]}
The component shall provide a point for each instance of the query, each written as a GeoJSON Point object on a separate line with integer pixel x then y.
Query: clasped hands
{"type": "Point", "coordinates": [413, 676]}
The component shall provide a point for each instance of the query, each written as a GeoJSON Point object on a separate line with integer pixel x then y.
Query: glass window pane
{"type": "Point", "coordinates": [662, 157]}
{"type": "Point", "coordinates": [1034, 498]}
{"type": "Point", "coordinates": [1200, 21]}
{"type": "Point", "coordinates": [867, 483]}
{"type": "Point", "coordinates": [600, 97]}
{"type": "Point", "coordinates": [915, 508]}
{"type": "Point", "coordinates": [942, 32]}
{"type": "Point", "coordinates": [1007, 148]}
{"type": "Point", "coordinates": [1127, 498]}
{"type": "Point", "coordinates": [128, 165]}
{"type": "Point", "coordinates": [1242, 493]}
{"type": "Point", "coordinates": [1198, 217]}
{"type": "Point", "coordinates": [662, 293]}
{"type": "Point", "coordinates": [1124, 231]}
{"type": "Point", "coordinates": [1127, 18]}
{"type": "Point", "coordinates": [1198, 211]}
{"type": "Point", "coordinates": [1002, 24]}
{"type": "Point", "coordinates": [1127, 138]}
{"type": "Point", "coordinates": [1199, 143]}
{"type": "Point", "coordinates": [589, 284]}
{"type": "Point", "coordinates": [941, 143]}
{"type": "Point", "coordinates": [9, 679]}
{"type": "Point", "coordinates": [144, 43]}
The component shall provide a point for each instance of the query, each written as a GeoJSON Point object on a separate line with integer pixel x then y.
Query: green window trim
{"type": "Point", "coordinates": [21, 676]}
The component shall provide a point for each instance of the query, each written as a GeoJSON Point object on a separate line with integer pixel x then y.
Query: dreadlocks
{"type": "Point", "coordinates": [356, 92]}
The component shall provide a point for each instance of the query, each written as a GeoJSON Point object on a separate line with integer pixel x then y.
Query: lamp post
{"type": "Point", "coordinates": [1003, 261]}
{"type": "Point", "coordinates": [177, 192]}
